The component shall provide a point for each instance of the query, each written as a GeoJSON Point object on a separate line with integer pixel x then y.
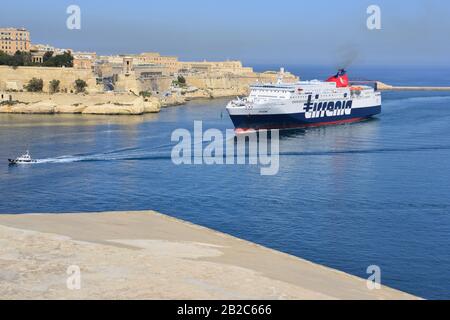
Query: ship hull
{"type": "Point", "coordinates": [245, 122]}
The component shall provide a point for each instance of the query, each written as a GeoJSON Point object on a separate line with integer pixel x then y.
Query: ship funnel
{"type": "Point", "coordinates": [341, 79]}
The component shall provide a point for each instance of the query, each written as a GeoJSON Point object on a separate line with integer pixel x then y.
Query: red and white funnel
{"type": "Point", "coordinates": [341, 79]}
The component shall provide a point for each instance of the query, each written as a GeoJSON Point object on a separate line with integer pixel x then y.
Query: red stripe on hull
{"type": "Point", "coordinates": [306, 125]}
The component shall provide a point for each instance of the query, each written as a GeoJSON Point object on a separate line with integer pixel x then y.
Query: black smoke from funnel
{"type": "Point", "coordinates": [346, 56]}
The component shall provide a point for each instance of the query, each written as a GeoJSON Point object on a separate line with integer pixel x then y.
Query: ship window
{"type": "Point", "coordinates": [317, 96]}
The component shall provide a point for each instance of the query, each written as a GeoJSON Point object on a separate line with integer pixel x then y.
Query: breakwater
{"type": "Point", "coordinates": [386, 87]}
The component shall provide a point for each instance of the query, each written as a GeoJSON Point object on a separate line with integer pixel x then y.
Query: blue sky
{"type": "Point", "coordinates": [324, 32]}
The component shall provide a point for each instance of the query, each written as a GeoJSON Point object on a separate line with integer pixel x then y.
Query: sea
{"type": "Point", "coordinates": [374, 193]}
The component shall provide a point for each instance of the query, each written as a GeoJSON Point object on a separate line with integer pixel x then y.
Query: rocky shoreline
{"type": "Point", "coordinates": [101, 104]}
{"type": "Point", "coordinates": [79, 104]}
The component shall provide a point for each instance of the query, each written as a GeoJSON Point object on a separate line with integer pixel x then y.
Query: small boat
{"type": "Point", "coordinates": [23, 159]}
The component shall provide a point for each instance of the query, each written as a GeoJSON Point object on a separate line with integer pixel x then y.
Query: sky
{"type": "Point", "coordinates": [319, 32]}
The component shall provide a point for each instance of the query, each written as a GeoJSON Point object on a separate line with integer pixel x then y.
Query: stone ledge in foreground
{"type": "Point", "coordinates": [146, 255]}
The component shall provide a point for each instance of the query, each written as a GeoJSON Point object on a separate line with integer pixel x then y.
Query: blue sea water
{"type": "Point", "coordinates": [349, 196]}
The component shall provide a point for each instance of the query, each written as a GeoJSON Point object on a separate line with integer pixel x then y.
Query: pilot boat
{"type": "Point", "coordinates": [23, 159]}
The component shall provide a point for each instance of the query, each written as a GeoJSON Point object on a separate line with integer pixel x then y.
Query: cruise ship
{"type": "Point", "coordinates": [304, 104]}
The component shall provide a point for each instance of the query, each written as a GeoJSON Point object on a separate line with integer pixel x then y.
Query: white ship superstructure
{"type": "Point", "coordinates": [303, 104]}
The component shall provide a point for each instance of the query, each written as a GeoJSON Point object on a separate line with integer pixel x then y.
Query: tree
{"type": "Point", "coordinates": [80, 85]}
{"type": "Point", "coordinates": [54, 85]}
{"type": "Point", "coordinates": [20, 58]}
{"type": "Point", "coordinates": [4, 58]}
{"type": "Point", "coordinates": [35, 85]}
{"type": "Point", "coordinates": [47, 56]}
{"type": "Point", "coordinates": [145, 94]}
{"type": "Point", "coordinates": [181, 80]}
{"type": "Point", "coordinates": [61, 60]}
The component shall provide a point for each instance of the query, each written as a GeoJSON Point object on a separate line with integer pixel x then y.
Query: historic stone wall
{"type": "Point", "coordinates": [18, 78]}
{"type": "Point", "coordinates": [227, 85]}
{"type": "Point", "coordinates": [208, 84]}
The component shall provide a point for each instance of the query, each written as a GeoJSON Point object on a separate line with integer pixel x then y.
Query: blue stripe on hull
{"type": "Point", "coordinates": [297, 120]}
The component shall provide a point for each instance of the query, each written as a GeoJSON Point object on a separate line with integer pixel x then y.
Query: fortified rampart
{"type": "Point", "coordinates": [17, 78]}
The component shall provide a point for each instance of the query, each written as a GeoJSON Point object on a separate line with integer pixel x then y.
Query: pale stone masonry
{"type": "Point", "coordinates": [149, 72]}
{"type": "Point", "coordinates": [129, 74]}
{"type": "Point", "coordinates": [14, 39]}
{"type": "Point", "coordinates": [146, 255]}
{"type": "Point", "coordinates": [15, 79]}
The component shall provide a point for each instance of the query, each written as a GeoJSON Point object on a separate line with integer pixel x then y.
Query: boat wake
{"type": "Point", "coordinates": [113, 155]}
{"type": "Point", "coordinates": [365, 151]}
{"type": "Point", "coordinates": [103, 157]}
{"type": "Point", "coordinates": [164, 155]}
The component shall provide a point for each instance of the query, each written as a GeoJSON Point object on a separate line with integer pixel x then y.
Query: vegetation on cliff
{"type": "Point", "coordinates": [145, 94]}
{"type": "Point", "coordinates": [54, 86]}
{"type": "Point", "coordinates": [35, 85]}
{"type": "Point", "coordinates": [80, 86]}
{"type": "Point", "coordinates": [180, 82]}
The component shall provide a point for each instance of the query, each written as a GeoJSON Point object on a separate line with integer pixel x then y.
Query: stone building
{"type": "Point", "coordinates": [171, 63]}
{"type": "Point", "coordinates": [14, 39]}
{"type": "Point", "coordinates": [37, 56]}
{"type": "Point", "coordinates": [48, 48]}
{"type": "Point", "coordinates": [83, 63]}
{"type": "Point", "coordinates": [216, 67]}
{"type": "Point", "coordinates": [84, 60]}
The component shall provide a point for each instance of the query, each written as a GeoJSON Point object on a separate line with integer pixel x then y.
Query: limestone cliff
{"type": "Point", "coordinates": [82, 104]}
